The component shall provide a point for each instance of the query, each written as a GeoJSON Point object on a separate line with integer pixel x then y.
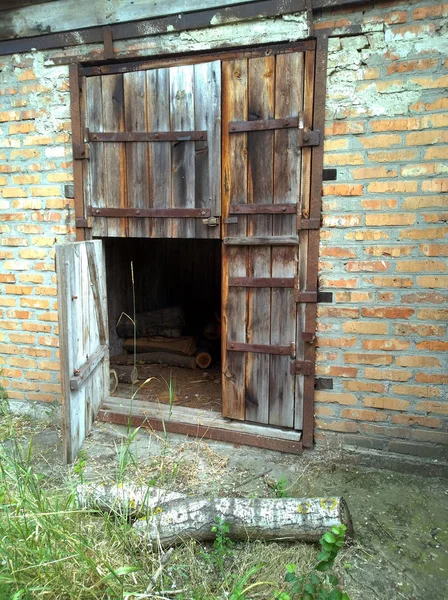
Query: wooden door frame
{"type": "Point", "coordinates": [320, 43]}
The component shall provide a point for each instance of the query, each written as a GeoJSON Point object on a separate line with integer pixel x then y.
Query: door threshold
{"type": "Point", "coordinates": [198, 423]}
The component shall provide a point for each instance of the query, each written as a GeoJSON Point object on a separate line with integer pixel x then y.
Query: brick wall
{"type": "Point", "coordinates": [383, 340]}
{"type": "Point", "coordinates": [35, 163]}
{"type": "Point", "coordinates": [385, 219]}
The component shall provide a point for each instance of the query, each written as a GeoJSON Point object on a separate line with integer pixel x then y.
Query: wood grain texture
{"type": "Point", "coordinates": [158, 107]}
{"type": "Point", "coordinates": [207, 115]}
{"type": "Point", "coordinates": [137, 176]}
{"type": "Point", "coordinates": [260, 148]}
{"type": "Point", "coordinates": [182, 153]}
{"type": "Point", "coordinates": [114, 153]}
{"type": "Point", "coordinates": [234, 191]}
{"type": "Point", "coordinates": [288, 101]}
{"type": "Point", "coordinates": [304, 208]}
{"type": "Point", "coordinates": [95, 167]}
{"type": "Point", "coordinates": [81, 300]}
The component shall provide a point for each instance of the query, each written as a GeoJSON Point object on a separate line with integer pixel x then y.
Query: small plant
{"type": "Point", "coordinates": [313, 585]}
{"type": "Point", "coordinates": [80, 465]}
{"type": "Point", "coordinates": [281, 488]}
{"type": "Point", "coordinates": [222, 545]}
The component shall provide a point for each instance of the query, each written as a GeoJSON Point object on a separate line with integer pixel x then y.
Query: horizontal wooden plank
{"type": "Point", "coordinates": [195, 417]}
{"type": "Point", "coordinates": [260, 348]}
{"type": "Point", "coordinates": [263, 124]}
{"type": "Point", "coordinates": [85, 370]}
{"type": "Point", "coordinates": [262, 282]}
{"type": "Point", "coordinates": [280, 240]}
{"type": "Point", "coordinates": [146, 136]}
{"type": "Point", "coordinates": [262, 209]}
{"type": "Point", "coordinates": [175, 213]}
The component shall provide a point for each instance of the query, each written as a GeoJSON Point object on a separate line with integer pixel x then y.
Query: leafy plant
{"type": "Point", "coordinates": [313, 585]}
{"type": "Point", "coordinates": [222, 545]}
{"type": "Point", "coordinates": [281, 488]}
{"type": "Point", "coordinates": [80, 465]}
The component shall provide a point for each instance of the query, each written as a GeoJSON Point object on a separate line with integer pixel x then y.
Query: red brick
{"type": "Point", "coordinates": [433, 407]}
{"type": "Point", "coordinates": [424, 297]}
{"type": "Point", "coordinates": [364, 386]}
{"type": "Point", "coordinates": [435, 185]}
{"type": "Point", "coordinates": [409, 66]}
{"type": "Point", "coordinates": [367, 266]}
{"type": "Point", "coordinates": [433, 314]}
{"type": "Point", "coordinates": [431, 378]}
{"type": "Point", "coordinates": [421, 330]}
{"type": "Point", "coordinates": [395, 282]}
{"type": "Point", "coordinates": [433, 281]}
{"type": "Point", "coordinates": [337, 398]}
{"type": "Point", "coordinates": [336, 252]}
{"type": "Point", "coordinates": [410, 420]}
{"type": "Point", "coordinates": [335, 342]}
{"type": "Point", "coordinates": [420, 266]}
{"type": "Point", "coordinates": [380, 141]}
{"type": "Point", "coordinates": [422, 391]}
{"type": "Point", "coordinates": [373, 173]}
{"type": "Point", "coordinates": [389, 344]}
{"type": "Point", "coordinates": [363, 415]}
{"type": "Point", "coordinates": [417, 361]}
{"type": "Point", "coordinates": [385, 403]}
{"type": "Point", "coordinates": [426, 138]}
{"type": "Point", "coordinates": [395, 125]}
{"type": "Point", "coordinates": [387, 374]}
{"type": "Point", "coordinates": [389, 219]}
{"type": "Point", "coordinates": [342, 189]}
{"type": "Point", "coordinates": [334, 312]}
{"type": "Point", "coordinates": [342, 159]}
{"type": "Point", "coordinates": [383, 204]}
{"type": "Point", "coordinates": [353, 297]}
{"type": "Point", "coordinates": [435, 10]}
{"type": "Point", "coordinates": [388, 312]}
{"type": "Point", "coordinates": [392, 156]}
{"type": "Point", "coordinates": [365, 327]}
{"type": "Point", "coordinates": [336, 371]}
{"type": "Point", "coordinates": [341, 426]}
{"type": "Point", "coordinates": [368, 359]}
{"type": "Point", "coordinates": [429, 233]}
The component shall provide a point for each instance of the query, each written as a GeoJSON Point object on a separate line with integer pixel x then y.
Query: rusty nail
{"type": "Point", "coordinates": [232, 345]}
{"type": "Point", "coordinates": [76, 372]}
{"type": "Point", "coordinates": [97, 211]}
{"type": "Point", "coordinates": [306, 137]}
{"type": "Point", "coordinates": [74, 297]}
{"type": "Point", "coordinates": [237, 208]}
{"type": "Point", "coordinates": [137, 212]}
{"type": "Point", "coordinates": [286, 121]}
{"type": "Point", "coordinates": [283, 209]}
{"type": "Point", "coordinates": [233, 128]}
{"type": "Point", "coordinates": [157, 136]}
{"type": "Point", "coordinates": [202, 212]}
{"type": "Point", "coordinates": [237, 280]}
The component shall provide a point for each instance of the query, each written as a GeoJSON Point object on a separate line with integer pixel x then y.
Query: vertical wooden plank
{"type": "Point", "coordinates": [136, 153]}
{"type": "Point", "coordinates": [260, 187]}
{"type": "Point", "coordinates": [304, 209]}
{"type": "Point", "coordinates": [234, 191]}
{"type": "Point", "coordinates": [94, 188]}
{"type": "Point", "coordinates": [207, 109]}
{"type": "Point", "coordinates": [318, 115]}
{"type": "Point", "coordinates": [182, 153]}
{"type": "Point", "coordinates": [288, 102]}
{"type": "Point", "coordinates": [77, 141]}
{"type": "Point", "coordinates": [159, 154]}
{"type": "Point", "coordinates": [114, 153]}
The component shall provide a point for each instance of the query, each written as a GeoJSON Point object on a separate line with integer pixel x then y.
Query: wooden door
{"type": "Point", "coordinates": [153, 164]}
{"type": "Point", "coordinates": [83, 338]}
{"type": "Point", "coordinates": [263, 112]}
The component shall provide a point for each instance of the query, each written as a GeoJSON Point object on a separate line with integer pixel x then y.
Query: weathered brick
{"type": "Point", "coordinates": [420, 266]}
{"type": "Point", "coordinates": [366, 327]}
{"type": "Point", "coordinates": [392, 156]}
{"type": "Point", "coordinates": [435, 185]}
{"type": "Point", "coordinates": [363, 415]}
{"type": "Point", "coordinates": [384, 430]}
{"type": "Point", "coordinates": [410, 420]}
{"type": "Point", "coordinates": [342, 189]}
{"type": "Point", "coordinates": [433, 281]}
{"type": "Point", "coordinates": [367, 359]}
{"type": "Point", "coordinates": [426, 138]}
{"type": "Point", "coordinates": [367, 266]}
{"type": "Point", "coordinates": [416, 390]}
{"type": "Point", "coordinates": [334, 397]}
{"type": "Point", "coordinates": [337, 425]}
{"type": "Point", "coordinates": [389, 220]}
{"type": "Point", "coordinates": [435, 378]}
{"type": "Point", "coordinates": [389, 344]}
{"type": "Point", "coordinates": [388, 312]}
{"type": "Point", "coordinates": [433, 407]}
{"type": "Point", "coordinates": [434, 10]}
{"type": "Point", "coordinates": [395, 282]}
{"type": "Point", "coordinates": [385, 403]}
{"type": "Point", "coordinates": [409, 66]}
{"type": "Point", "coordinates": [433, 314]}
{"type": "Point", "coordinates": [373, 173]}
{"type": "Point", "coordinates": [429, 233]}
{"type": "Point", "coordinates": [417, 361]}
{"type": "Point", "coordinates": [380, 141]}
{"type": "Point", "coordinates": [364, 386]}
{"type": "Point", "coordinates": [335, 342]}
{"type": "Point", "coordinates": [353, 297]}
{"type": "Point", "coordinates": [387, 374]}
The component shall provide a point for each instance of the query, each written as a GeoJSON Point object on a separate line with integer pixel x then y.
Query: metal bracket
{"type": "Point", "coordinates": [211, 221]}
{"type": "Point", "coordinates": [308, 224]}
{"type": "Point", "coordinates": [312, 137]}
{"type": "Point", "coordinates": [302, 367]}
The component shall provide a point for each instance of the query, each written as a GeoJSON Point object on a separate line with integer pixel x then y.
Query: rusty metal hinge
{"type": "Point", "coordinates": [302, 367]}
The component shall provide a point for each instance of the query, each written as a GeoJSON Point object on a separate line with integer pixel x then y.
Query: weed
{"type": "Point", "coordinates": [281, 488]}
{"type": "Point", "coordinates": [222, 546]}
{"type": "Point", "coordinates": [313, 585]}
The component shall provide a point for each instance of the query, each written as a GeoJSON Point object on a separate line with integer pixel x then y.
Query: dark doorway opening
{"type": "Point", "coordinates": [177, 289]}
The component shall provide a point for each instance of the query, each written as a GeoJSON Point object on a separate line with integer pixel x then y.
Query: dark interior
{"type": "Point", "coordinates": [167, 272]}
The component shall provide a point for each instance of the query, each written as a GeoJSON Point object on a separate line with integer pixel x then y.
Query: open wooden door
{"type": "Point", "coordinates": [83, 338]}
{"type": "Point", "coordinates": [265, 100]}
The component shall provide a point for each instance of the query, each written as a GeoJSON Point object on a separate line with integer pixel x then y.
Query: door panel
{"type": "Point", "coordinates": [143, 177]}
{"type": "Point", "coordinates": [83, 338]}
{"type": "Point", "coordinates": [261, 197]}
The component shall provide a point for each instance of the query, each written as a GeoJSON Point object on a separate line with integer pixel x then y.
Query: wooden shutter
{"type": "Point", "coordinates": [154, 160]}
{"type": "Point", "coordinates": [83, 338]}
{"type": "Point", "coordinates": [263, 104]}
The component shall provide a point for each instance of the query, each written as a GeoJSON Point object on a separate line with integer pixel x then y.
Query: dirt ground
{"type": "Point", "coordinates": [400, 545]}
{"type": "Point", "coordinates": [194, 388]}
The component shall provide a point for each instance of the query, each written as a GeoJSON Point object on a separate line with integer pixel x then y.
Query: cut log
{"type": "Point", "coordinates": [154, 358]}
{"type": "Point", "coordinates": [168, 322]}
{"type": "Point", "coordinates": [281, 519]}
{"type": "Point", "coordinates": [203, 360]}
{"type": "Point", "coordinates": [182, 345]}
{"type": "Point", "coordinates": [127, 498]}
{"type": "Point", "coordinates": [126, 373]}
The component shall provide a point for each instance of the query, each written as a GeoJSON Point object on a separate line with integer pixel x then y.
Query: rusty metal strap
{"type": "Point", "coordinates": [261, 348]}
{"type": "Point", "coordinates": [262, 209]}
{"type": "Point", "coordinates": [308, 224]}
{"type": "Point", "coordinates": [146, 136]}
{"type": "Point", "coordinates": [309, 138]}
{"type": "Point", "coordinates": [175, 213]}
{"type": "Point", "coordinates": [80, 375]}
{"type": "Point", "coordinates": [262, 282]}
{"type": "Point", "coordinates": [263, 124]}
